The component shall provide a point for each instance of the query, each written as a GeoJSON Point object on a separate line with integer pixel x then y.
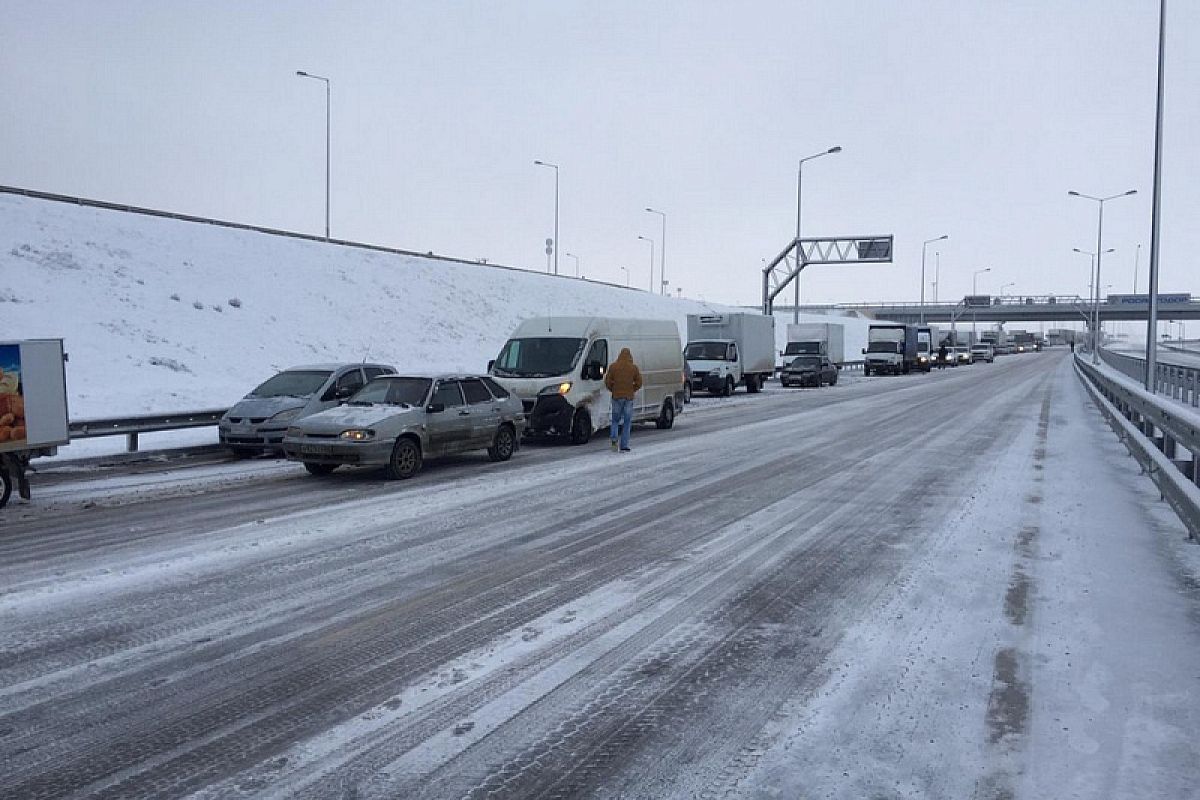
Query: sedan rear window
{"type": "Point", "coordinates": [475, 391]}
{"type": "Point", "coordinates": [393, 391]}
{"type": "Point", "coordinates": [496, 389]}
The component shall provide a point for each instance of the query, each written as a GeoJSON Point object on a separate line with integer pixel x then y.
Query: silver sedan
{"type": "Point", "coordinates": [397, 421]}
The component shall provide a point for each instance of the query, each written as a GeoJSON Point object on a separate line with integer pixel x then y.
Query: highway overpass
{"type": "Point", "coordinates": [1012, 309]}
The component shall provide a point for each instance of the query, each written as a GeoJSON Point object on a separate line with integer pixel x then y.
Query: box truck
{"type": "Point", "coordinates": [815, 338]}
{"type": "Point", "coordinates": [33, 408]}
{"type": "Point", "coordinates": [891, 348]}
{"type": "Point", "coordinates": [927, 346]}
{"type": "Point", "coordinates": [724, 350]}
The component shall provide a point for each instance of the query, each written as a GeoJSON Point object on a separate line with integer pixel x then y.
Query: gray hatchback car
{"type": "Point", "coordinates": [259, 420]}
{"type": "Point", "coordinates": [397, 421]}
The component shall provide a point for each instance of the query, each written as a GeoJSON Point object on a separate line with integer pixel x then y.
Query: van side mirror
{"type": "Point", "coordinates": [864, 351]}
{"type": "Point", "coordinates": [491, 364]}
{"type": "Point", "coordinates": [435, 408]}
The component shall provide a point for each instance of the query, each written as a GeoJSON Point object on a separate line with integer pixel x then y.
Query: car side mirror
{"type": "Point", "coordinates": [343, 392]}
{"type": "Point", "coordinates": [435, 408]}
{"type": "Point", "coordinates": [491, 364]}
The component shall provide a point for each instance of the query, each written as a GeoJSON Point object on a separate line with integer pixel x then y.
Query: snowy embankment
{"type": "Point", "coordinates": [165, 315]}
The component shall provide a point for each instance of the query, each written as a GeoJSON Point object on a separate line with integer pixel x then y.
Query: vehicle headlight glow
{"type": "Point", "coordinates": [283, 416]}
{"type": "Point", "coordinates": [359, 434]}
{"type": "Point", "coordinates": [556, 388]}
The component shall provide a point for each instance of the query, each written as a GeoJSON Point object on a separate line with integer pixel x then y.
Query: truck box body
{"type": "Point", "coordinates": [753, 337]}
{"type": "Point", "coordinates": [829, 339]}
{"type": "Point", "coordinates": [33, 396]}
{"type": "Point", "coordinates": [891, 347]}
{"type": "Point", "coordinates": [927, 346]}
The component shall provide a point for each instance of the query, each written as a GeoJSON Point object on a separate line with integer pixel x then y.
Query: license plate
{"type": "Point", "coordinates": [316, 449]}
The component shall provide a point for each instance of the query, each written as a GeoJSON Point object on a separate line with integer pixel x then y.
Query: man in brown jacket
{"type": "Point", "coordinates": [623, 379]}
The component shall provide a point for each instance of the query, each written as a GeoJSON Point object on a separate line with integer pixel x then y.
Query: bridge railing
{"type": "Point", "coordinates": [1164, 438]}
{"type": "Point", "coordinates": [1174, 380]}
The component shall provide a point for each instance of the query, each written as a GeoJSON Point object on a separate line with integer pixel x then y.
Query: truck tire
{"type": "Point", "coordinates": [753, 384]}
{"type": "Point", "coordinates": [729, 387]}
{"type": "Point", "coordinates": [666, 417]}
{"type": "Point", "coordinates": [319, 469]}
{"type": "Point", "coordinates": [866, 370]}
{"type": "Point", "coordinates": [833, 380]}
{"type": "Point", "coordinates": [6, 483]}
{"type": "Point", "coordinates": [581, 427]}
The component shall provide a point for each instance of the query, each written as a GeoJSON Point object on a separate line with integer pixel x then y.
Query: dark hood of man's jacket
{"type": "Point", "coordinates": [623, 378]}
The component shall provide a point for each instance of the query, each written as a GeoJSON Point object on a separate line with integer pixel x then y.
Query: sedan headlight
{"type": "Point", "coordinates": [556, 388]}
{"type": "Point", "coordinates": [294, 431]}
{"type": "Point", "coordinates": [358, 435]}
{"type": "Point", "coordinates": [284, 416]}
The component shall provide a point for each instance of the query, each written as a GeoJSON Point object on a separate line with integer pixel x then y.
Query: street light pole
{"type": "Point", "coordinates": [304, 74]}
{"type": "Point", "coordinates": [651, 241]}
{"type": "Point", "coordinates": [974, 276]}
{"type": "Point", "coordinates": [662, 253]}
{"type": "Point", "coordinates": [923, 248]}
{"type": "Point", "coordinates": [799, 178]}
{"type": "Point", "coordinates": [937, 273]}
{"type": "Point", "coordinates": [1152, 289]}
{"type": "Point", "coordinates": [572, 255]}
{"type": "Point", "coordinates": [556, 243]}
{"type": "Point", "coordinates": [1100, 201]}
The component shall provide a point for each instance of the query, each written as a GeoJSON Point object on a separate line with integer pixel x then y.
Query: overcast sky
{"type": "Point", "coordinates": [971, 119]}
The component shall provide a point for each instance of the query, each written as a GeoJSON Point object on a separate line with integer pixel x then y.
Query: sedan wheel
{"type": "Point", "coordinates": [405, 461]}
{"type": "Point", "coordinates": [503, 445]}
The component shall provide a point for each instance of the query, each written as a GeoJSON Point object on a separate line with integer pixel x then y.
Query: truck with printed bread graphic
{"type": "Point", "coordinates": [33, 408]}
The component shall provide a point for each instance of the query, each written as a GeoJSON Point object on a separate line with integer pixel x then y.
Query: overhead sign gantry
{"type": "Point", "coordinates": [787, 266]}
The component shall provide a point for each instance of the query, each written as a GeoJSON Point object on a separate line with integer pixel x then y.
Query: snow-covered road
{"type": "Point", "coordinates": [944, 586]}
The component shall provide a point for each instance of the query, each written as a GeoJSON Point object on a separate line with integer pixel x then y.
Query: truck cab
{"type": "Point", "coordinates": [715, 365]}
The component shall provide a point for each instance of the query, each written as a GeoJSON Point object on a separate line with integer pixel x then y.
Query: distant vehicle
{"type": "Point", "coordinates": [556, 366]}
{"type": "Point", "coordinates": [962, 354]}
{"type": "Point", "coordinates": [813, 370]}
{"type": "Point", "coordinates": [725, 350]}
{"type": "Point", "coordinates": [891, 348]}
{"type": "Point", "coordinates": [983, 352]}
{"type": "Point", "coordinates": [815, 338]}
{"type": "Point", "coordinates": [687, 382]}
{"type": "Point", "coordinates": [398, 421]}
{"type": "Point", "coordinates": [951, 361]}
{"type": "Point", "coordinates": [258, 421]}
{"type": "Point", "coordinates": [977, 300]}
{"type": "Point", "coordinates": [926, 351]}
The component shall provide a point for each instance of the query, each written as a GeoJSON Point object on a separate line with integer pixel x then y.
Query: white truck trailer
{"type": "Point", "coordinates": [33, 408]}
{"type": "Point", "coordinates": [724, 350]}
{"type": "Point", "coordinates": [816, 338]}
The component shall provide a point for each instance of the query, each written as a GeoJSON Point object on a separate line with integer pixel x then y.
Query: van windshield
{"type": "Point", "coordinates": [706, 351]}
{"type": "Point", "coordinates": [541, 357]}
{"type": "Point", "coordinates": [883, 347]}
{"type": "Point", "coordinates": [293, 383]}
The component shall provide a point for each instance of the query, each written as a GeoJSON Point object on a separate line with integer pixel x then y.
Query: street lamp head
{"type": "Point", "coordinates": [1074, 193]}
{"type": "Point", "coordinates": [302, 73]}
{"type": "Point", "coordinates": [643, 238]}
{"type": "Point", "coordinates": [836, 149]}
{"type": "Point", "coordinates": [1131, 191]}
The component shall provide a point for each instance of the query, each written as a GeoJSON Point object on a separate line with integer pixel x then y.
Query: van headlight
{"type": "Point", "coordinates": [358, 435]}
{"type": "Point", "coordinates": [556, 388]}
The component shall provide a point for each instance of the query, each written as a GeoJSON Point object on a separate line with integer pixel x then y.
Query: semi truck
{"type": "Point", "coordinates": [33, 408]}
{"type": "Point", "coordinates": [891, 348]}
{"type": "Point", "coordinates": [815, 339]}
{"type": "Point", "coordinates": [724, 350]}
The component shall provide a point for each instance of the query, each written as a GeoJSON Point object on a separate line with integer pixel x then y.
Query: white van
{"type": "Point", "coordinates": [556, 366]}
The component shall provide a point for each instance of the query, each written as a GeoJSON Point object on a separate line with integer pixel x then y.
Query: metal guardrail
{"type": "Point", "coordinates": [1157, 435]}
{"type": "Point", "coordinates": [1175, 381]}
{"type": "Point", "coordinates": [131, 427]}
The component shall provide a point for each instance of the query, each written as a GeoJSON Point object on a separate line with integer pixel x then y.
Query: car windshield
{"type": "Point", "coordinates": [293, 383]}
{"type": "Point", "coordinates": [541, 357]}
{"type": "Point", "coordinates": [883, 347]}
{"type": "Point", "coordinates": [392, 391]}
{"type": "Point", "coordinates": [706, 351]}
{"type": "Point", "coordinates": [806, 362]}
